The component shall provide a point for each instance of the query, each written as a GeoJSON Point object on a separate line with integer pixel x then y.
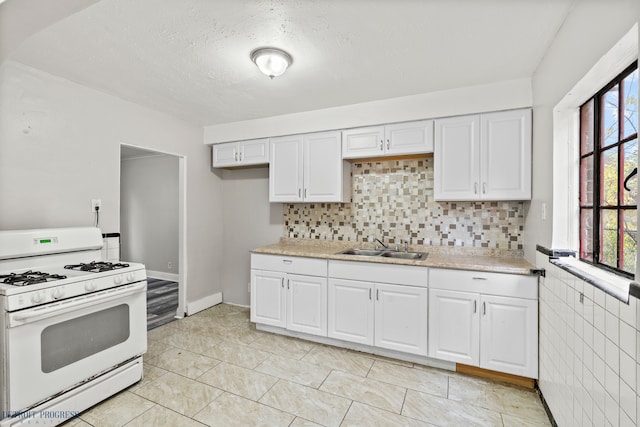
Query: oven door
{"type": "Point", "coordinates": [57, 346]}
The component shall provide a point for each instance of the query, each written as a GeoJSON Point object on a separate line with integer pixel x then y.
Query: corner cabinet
{"type": "Point", "coordinates": [390, 140]}
{"type": "Point", "coordinates": [290, 293]}
{"type": "Point", "coordinates": [488, 320]}
{"type": "Point", "coordinates": [242, 153]}
{"type": "Point", "coordinates": [483, 157]}
{"type": "Point", "coordinates": [308, 168]}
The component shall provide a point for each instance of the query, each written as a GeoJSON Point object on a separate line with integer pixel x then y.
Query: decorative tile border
{"type": "Point", "coordinates": [394, 199]}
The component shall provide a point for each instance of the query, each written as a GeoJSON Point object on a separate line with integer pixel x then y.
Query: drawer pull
{"type": "Point", "coordinates": [287, 261]}
{"type": "Point", "coordinates": [479, 278]}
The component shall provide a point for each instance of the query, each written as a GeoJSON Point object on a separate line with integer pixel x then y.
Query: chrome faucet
{"type": "Point", "coordinates": [379, 241]}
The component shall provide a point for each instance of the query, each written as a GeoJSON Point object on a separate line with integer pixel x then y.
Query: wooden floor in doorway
{"type": "Point", "coordinates": [162, 302]}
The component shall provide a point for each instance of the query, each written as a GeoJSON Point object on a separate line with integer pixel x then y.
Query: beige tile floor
{"type": "Point", "coordinates": [216, 369]}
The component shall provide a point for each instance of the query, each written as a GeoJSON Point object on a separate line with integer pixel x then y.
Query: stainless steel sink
{"type": "Point", "coordinates": [404, 255]}
{"type": "Point", "coordinates": [385, 253]}
{"type": "Point", "coordinates": [361, 252]}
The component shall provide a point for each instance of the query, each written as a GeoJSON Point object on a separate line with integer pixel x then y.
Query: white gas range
{"type": "Point", "coordinates": [72, 327]}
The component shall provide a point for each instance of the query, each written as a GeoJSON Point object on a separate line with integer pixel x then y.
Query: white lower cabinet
{"type": "Point", "coordinates": [385, 315]}
{"type": "Point", "coordinates": [470, 324]}
{"type": "Point", "coordinates": [283, 298]}
{"type": "Point", "coordinates": [379, 314]}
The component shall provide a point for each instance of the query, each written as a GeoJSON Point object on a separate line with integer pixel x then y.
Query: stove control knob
{"type": "Point", "coordinates": [37, 298]}
{"type": "Point", "coordinates": [130, 277]}
{"type": "Point", "coordinates": [90, 286]}
{"type": "Point", "coordinates": [57, 293]}
{"type": "Point", "coordinates": [118, 279]}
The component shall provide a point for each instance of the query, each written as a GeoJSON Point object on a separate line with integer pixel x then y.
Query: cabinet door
{"type": "Point", "coordinates": [268, 298]}
{"type": "Point", "coordinates": [285, 169]}
{"type": "Point", "coordinates": [225, 155]}
{"type": "Point", "coordinates": [456, 158]}
{"type": "Point", "coordinates": [323, 167]}
{"type": "Point", "coordinates": [409, 138]}
{"type": "Point", "coordinates": [509, 335]}
{"type": "Point", "coordinates": [350, 309]}
{"type": "Point", "coordinates": [363, 142]}
{"type": "Point", "coordinates": [505, 147]}
{"type": "Point", "coordinates": [401, 318]}
{"type": "Point", "coordinates": [254, 152]}
{"type": "Point", "coordinates": [454, 326]}
{"type": "Point", "coordinates": [307, 304]}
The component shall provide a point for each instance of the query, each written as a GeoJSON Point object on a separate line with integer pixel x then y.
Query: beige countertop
{"type": "Point", "coordinates": [477, 259]}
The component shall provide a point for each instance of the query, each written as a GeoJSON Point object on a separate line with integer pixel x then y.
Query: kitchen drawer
{"type": "Point", "coordinates": [290, 264]}
{"type": "Point", "coordinates": [380, 273]}
{"type": "Point", "coordinates": [507, 285]}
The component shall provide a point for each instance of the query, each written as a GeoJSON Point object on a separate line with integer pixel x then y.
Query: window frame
{"type": "Point", "coordinates": [597, 207]}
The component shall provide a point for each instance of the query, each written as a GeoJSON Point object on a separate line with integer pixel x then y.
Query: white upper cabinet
{"type": "Point", "coordinates": [285, 169]}
{"type": "Point", "coordinates": [309, 168]}
{"type": "Point", "coordinates": [242, 153]}
{"type": "Point", "coordinates": [390, 140]}
{"type": "Point", "coordinates": [483, 157]}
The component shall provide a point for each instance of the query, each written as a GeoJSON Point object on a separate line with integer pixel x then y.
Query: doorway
{"type": "Point", "coordinates": [152, 226]}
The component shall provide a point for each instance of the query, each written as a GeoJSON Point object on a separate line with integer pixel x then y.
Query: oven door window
{"type": "Point", "coordinates": [67, 342]}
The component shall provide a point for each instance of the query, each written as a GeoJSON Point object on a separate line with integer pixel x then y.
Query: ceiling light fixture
{"type": "Point", "coordinates": [271, 61]}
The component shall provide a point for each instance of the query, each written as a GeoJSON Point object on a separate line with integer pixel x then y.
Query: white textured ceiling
{"type": "Point", "coordinates": [190, 58]}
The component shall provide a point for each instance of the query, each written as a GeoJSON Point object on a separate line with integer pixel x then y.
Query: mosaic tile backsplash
{"type": "Point", "coordinates": [393, 200]}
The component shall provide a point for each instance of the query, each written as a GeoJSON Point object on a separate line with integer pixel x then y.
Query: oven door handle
{"type": "Point", "coordinates": [45, 311]}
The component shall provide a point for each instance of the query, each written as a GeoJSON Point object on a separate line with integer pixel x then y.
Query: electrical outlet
{"type": "Point", "coordinates": [96, 203]}
{"type": "Point", "coordinates": [169, 265]}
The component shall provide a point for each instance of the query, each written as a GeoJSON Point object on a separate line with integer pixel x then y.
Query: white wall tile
{"type": "Point", "coordinates": [612, 305]}
{"type": "Point", "coordinates": [612, 410]}
{"type": "Point", "coordinates": [612, 356]}
{"type": "Point", "coordinates": [599, 297]}
{"type": "Point", "coordinates": [627, 369]}
{"type": "Point", "coordinates": [628, 338]}
{"type": "Point", "coordinates": [612, 385]}
{"type": "Point", "coordinates": [627, 399]}
{"type": "Point", "coordinates": [598, 373]}
{"type": "Point", "coordinates": [598, 318]}
{"type": "Point", "coordinates": [612, 327]}
{"type": "Point", "coordinates": [598, 416]}
{"type": "Point", "coordinates": [625, 421]}
{"type": "Point", "coordinates": [628, 311]}
{"type": "Point", "coordinates": [599, 344]}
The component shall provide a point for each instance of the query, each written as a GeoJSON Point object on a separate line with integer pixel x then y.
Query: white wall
{"type": "Point", "coordinates": [590, 30]}
{"type": "Point", "coordinates": [60, 147]}
{"type": "Point", "coordinates": [467, 100]}
{"type": "Point", "coordinates": [250, 222]}
{"type": "Point", "coordinates": [149, 212]}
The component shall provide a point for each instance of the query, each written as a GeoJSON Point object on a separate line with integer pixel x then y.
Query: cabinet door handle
{"type": "Point", "coordinates": [240, 156]}
{"type": "Point", "coordinates": [235, 155]}
{"type": "Point", "coordinates": [484, 188]}
{"type": "Point", "coordinates": [282, 282]}
{"type": "Point", "coordinates": [388, 144]}
{"type": "Point", "coordinates": [475, 188]}
{"type": "Point", "coordinates": [288, 284]}
{"type": "Point", "coordinates": [381, 145]}
{"type": "Point", "coordinates": [305, 193]}
{"type": "Point", "coordinates": [484, 308]}
{"type": "Point", "coordinates": [299, 192]}
{"type": "Point", "coordinates": [475, 303]}
{"type": "Point", "coordinates": [377, 294]}
{"type": "Point", "coordinates": [369, 293]}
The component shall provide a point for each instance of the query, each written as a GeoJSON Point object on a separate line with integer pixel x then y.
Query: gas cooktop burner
{"type": "Point", "coordinates": [29, 278]}
{"type": "Point", "coordinates": [96, 266]}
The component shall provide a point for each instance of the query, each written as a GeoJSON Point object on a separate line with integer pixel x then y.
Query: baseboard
{"type": "Point", "coordinates": [204, 303]}
{"type": "Point", "coordinates": [162, 275]}
{"type": "Point", "coordinates": [496, 376]}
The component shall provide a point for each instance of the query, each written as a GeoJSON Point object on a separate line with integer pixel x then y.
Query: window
{"type": "Point", "coordinates": [608, 181]}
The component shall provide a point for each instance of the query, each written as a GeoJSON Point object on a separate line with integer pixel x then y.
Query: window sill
{"type": "Point", "coordinates": [612, 284]}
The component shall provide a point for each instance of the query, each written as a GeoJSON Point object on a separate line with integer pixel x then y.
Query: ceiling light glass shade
{"type": "Point", "coordinates": [272, 62]}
